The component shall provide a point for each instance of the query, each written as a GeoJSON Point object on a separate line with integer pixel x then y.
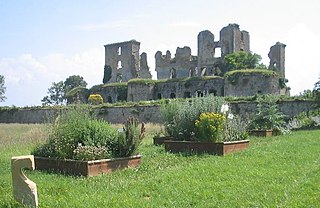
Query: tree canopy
{"type": "Point", "coordinates": [2, 88]}
{"type": "Point", "coordinates": [243, 60]}
{"type": "Point", "coordinates": [58, 90]}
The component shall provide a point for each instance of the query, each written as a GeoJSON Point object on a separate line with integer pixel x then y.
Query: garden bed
{"type": "Point", "coordinates": [219, 148]}
{"type": "Point", "coordinates": [86, 168]}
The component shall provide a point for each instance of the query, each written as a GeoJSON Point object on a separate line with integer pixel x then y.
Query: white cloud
{"type": "Point", "coordinates": [27, 78]}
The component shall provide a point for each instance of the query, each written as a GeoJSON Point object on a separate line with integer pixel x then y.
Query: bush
{"type": "Point", "coordinates": [95, 99]}
{"type": "Point", "coordinates": [130, 137]}
{"type": "Point", "coordinates": [210, 126]}
{"type": "Point", "coordinates": [236, 129]}
{"type": "Point", "coordinates": [77, 134]}
{"type": "Point", "coordinates": [267, 115]}
{"type": "Point", "coordinates": [180, 116]}
{"type": "Point", "coordinates": [309, 120]}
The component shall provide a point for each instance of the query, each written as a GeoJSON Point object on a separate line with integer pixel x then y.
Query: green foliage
{"type": "Point", "coordinates": [91, 153]}
{"type": "Point", "coordinates": [2, 88]}
{"type": "Point", "coordinates": [129, 139]}
{"type": "Point", "coordinates": [58, 92]}
{"type": "Point", "coordinates": [282, 82]}
{"type": "Point", "coordinates": [180, 116]}
{"type": "Point", "coordinates": [284, 167]}
{"type": "Point", "coordinates": [210, 126]}
{"type": "Point", "coordinates": [236, 129]}
{"type": "Point", "coordinates": [74, 127]}
{"type": "Point", "coordinates": [73, 81]}
{"type": "Point", "coordinates": [305, 120]}
{"type": "Point", "coordinates": [267, 115]}
{"type": "Point", "coordinates": [95, 99]}
{"type": "Point", "coordinates": [107, 74]}
{"type": "Point", "coordinates": [242, 60]}
{"type": "Point", "coordinates": [55, 94]}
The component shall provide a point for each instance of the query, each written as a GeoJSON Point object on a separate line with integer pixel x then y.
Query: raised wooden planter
{"type": "Point", "coordinates": [219, 148]}
{"type": "Point", "coordinates": [261, 133]}
{"type": "Point", "coordinates": [86, 168]}
{"type": "Point", "coordinates": [160, 140]}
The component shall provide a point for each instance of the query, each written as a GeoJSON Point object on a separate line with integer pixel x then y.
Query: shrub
{"type": "Point", "coordinates": [236, 128]}
{"type": "Point", "coordinates": [95, 99]}
{"type": "Point", "coordinates": [210, 126]}
{"type": "Point", "coordinates": [74, 127]}
{"type": "Point", "coordinates": [130, 137]}
{"type": "Point", "coordinates": [91, 153]}
{"type": "Point", "coordinates": [180, 116]}
{"type": "Point", "coordinates": [267, 115]}
{"type": "Point", "coordinates": [309, 120]}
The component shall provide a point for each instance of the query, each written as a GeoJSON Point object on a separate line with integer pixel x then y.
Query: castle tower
{"type": "Point", "coordinates": [232, 40]}
{"type": "Point", "coordinates": [124, 60]}
{"type": "Point", "coordinates": [277, 58]}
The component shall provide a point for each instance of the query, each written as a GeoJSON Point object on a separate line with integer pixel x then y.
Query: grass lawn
{"type": "Point", "coordinates": [281, 171]}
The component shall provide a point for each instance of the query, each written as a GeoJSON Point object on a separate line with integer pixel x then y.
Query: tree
{"type": "Point", "coordinates": [242, 60]}
{"type": "Point", "coordinates": [72, 82]}
{"type": "Point", "coordinates": [56, 94]}
{"type": "Point", "coordinates": [2, 88]}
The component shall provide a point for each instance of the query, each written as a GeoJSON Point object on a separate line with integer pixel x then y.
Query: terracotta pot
{"type": "Point", "coordinates": [261, 133]}
{"type": "Point", "coordinates": [219, 148]}
{"type": "Point", "coordinates": [86, 168]}
{"type": "Point", "coordinates": [160, 140]}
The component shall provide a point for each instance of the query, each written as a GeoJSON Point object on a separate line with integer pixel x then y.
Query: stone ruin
{"type": "Point", "coordinates": [208, 62]}
{"type": "Point", "coordinates": [126, 62]}
{"type": "Point", "coordinates": [205, 71]}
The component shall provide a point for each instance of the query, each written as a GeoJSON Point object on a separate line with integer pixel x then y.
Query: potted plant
{"type": "Point", "coordinates": [268, 120]}
{"type": "Point", "coordinates": [79, 144]}
{"type": "Point", "coordinates": [203, 125]}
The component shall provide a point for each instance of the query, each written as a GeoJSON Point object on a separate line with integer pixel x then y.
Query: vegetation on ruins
{"type": "Point", "coordinates": [58, 92]}
{"type": "Point", "coordinates": [243, 60]}
{"type": "Point", "coordinates": [95, 99]}
{"type": "Point", "coordinates": [234, 75]}
{"type": "Point", "coordinates": [77, 134]}
{"type": "Point", "coordinates": [107, 74]}
{"type": "Point", "coordinates": [2, 88]}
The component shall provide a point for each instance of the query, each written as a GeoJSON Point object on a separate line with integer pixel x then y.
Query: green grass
{"type": "Point", "coordinates": [282, 171]}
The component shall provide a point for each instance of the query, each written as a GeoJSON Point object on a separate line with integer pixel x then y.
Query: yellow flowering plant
{"type": "Point", "coordinates": [210, 126]}
{"type": "Point", "coordinates": [95, 99]}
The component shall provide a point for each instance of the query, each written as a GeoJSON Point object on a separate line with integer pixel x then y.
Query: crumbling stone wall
{"type": "Point", "coordinates": [124, 60]}
{"type": "Point", "coordinates": [144, 72]}
{"type": "Point", "coordinates": [232, 39]}
{"type": "Point", "coordinates": [140, 91]}
{"type": "Point", "coordinates": [208, 62]}
{"type": "Point", "coordinates": [192, 87]}
{"type": "Point", "coordinates": [182, 65]}
{"type": "Point", "coordinates": [277, 58]}
{"type": "Point", "coordinates": [112, 93]}
{"type": "Point", "coordinates": [248, 84]}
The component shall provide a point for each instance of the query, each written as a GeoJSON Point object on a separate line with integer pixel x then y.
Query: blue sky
{"type": "Point", "coordinates": [45, 41]}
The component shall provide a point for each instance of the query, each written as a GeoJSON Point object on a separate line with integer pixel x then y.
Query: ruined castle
{"type": "Point", "coordinates": [127, 76]}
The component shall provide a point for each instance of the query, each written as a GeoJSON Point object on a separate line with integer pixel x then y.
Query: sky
{"type": "Point", "coordinates": [46, 41]}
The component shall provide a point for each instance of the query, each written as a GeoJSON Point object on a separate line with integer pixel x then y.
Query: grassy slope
{"type": "Point", "coordinates": [281, 171]}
